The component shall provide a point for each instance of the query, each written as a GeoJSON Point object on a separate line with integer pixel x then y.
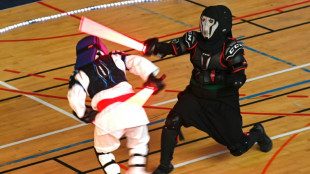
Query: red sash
{"type": "Point", "coordinates": [106, 102]}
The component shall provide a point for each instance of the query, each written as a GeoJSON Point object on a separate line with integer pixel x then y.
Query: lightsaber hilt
{"type": "Point", "coordinates": [163, 77]}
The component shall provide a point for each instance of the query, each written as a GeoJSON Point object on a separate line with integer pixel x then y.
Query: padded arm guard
{"type": "Point", "coordinates": [234, 55]}
{"type": "Point", "coordinates": [185, 43]}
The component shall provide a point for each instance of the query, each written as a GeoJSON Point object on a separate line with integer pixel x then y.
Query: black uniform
{"type": "Point", "coordinates": [211, 100]}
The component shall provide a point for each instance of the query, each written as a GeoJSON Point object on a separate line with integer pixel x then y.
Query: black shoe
{"type": "Point", "coordinates": [264, 142]}
{"type": "Point", "coordinates": [163, 169]}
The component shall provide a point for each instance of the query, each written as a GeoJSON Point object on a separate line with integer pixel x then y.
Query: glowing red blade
{"type": "Point", "coordinates": [141, 97]}
{"type": "Point", "coordinates": [96, 29]}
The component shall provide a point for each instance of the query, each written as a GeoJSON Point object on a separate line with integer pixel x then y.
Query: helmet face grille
{"type": "Point", "coordinates": [86, 50]}
{"type": "Point", "coordinates": [222, 20]}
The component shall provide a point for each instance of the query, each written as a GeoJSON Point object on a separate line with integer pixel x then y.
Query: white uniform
{"type": "Point", "coordinates": [112, 123]}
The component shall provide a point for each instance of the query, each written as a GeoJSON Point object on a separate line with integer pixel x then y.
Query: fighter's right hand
{"type": "Point", "coordinates": [155, 83]}
{"type": "Point", "coordinates": [149, 46]}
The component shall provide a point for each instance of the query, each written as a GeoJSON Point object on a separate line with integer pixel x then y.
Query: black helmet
{"type": "Point", "coordinates": [215, 22]}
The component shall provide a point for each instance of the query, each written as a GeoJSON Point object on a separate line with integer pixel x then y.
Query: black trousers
{"type": "Point", "coordinates": [222, 121]}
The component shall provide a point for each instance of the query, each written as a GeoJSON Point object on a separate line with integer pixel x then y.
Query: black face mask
{"type": "Point", "coordinates": [223, 17]}
{"type": "Point", "coordinates": [221, 22]}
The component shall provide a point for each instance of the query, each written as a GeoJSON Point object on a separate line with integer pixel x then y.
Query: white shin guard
{"type": "Point", "coordinates": [107, 161]}
{"type": "Point", "coordinates": [137, 164]}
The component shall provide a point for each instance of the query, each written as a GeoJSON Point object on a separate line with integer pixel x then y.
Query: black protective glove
{"type": "Point", "coordinates": [150, 46]}
{"type": "Point", "coordinates": [89, 115]}
{"type": "Point", "coordinates": [156, 83]}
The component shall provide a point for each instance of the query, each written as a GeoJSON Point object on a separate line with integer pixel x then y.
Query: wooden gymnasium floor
{"type": "Point", "coordinates": [38, 133]}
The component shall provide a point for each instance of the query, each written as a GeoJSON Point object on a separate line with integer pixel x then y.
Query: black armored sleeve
{"type": "Point", "coordinates": [234, 56]}
{"type": "Point", "coordinates": [185, 43]}
{"type": "Point", "coordinates": [177, 46]}
{"type": "Point", "coordinates": [236, 64]}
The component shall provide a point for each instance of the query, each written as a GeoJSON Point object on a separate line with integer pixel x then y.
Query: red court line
{"type": "Point", "coordinates": [297, 96]}
{"type": "Point", "coordinates": [155, 107]}
{"type": "Point", "coordinates": [245, 113]}
{"type": "Point", "coordinates": [57, 9]}
{"type": "Point", "coordinates": [61, 79]}
{"type": "Point", "coordinates": [279, 150]}
{"type": "Point", "coordinates": [12, 71]}
{"type": "Point", "coordinates": [284, 114]}
{"type": "Point", "coordinates": [243, 95]}
{"type": "Point", "coordinates": [36, 75]}
{"type": "Point", "coordinates": [32, 93]}
{"type": "Point", "coordinates": [236, 18]}
{"type": "Point", "coordinates": [44, 38]}
{"type": "Point", "coordinates": [151, 107]}
{"type": "Point", "coordinates": [277, 153]}
{"type": "Point", "coordinates": [122, 166]}
{"type": "Point", "coordinates": [275, 9]}
{"type": "Point", "coordinates": [35, 94]}
{"type": "Point", "coordinates": [175, 91]}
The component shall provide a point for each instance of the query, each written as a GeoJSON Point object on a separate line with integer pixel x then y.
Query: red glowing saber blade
{"type": "Point", "coordinates": [94, 28]}
{"type": "Point", "coordinates": [120, 116]}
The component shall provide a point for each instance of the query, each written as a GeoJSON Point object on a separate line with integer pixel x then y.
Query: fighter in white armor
{"type": "Point", "coordinates": [102, 76]}
{"type": "Point", "coordinates": [211, 100]}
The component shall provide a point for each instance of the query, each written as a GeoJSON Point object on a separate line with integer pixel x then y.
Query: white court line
{"type": "Point", "coordinates": [42, 102]}
{"type": "Point", "coordinates": [41, 136]}
{"type": "Point", "coordinates": [73, 127]}
{"type": "Point", "coordinates": [278, 72]}
{"type": "Point", "coordinates": [48, 105]}
{"type": "Point", "coordinates": [226, 151]}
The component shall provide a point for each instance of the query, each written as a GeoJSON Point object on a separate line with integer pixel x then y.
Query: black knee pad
{"type": "Point", "coordinates": [173, 121]}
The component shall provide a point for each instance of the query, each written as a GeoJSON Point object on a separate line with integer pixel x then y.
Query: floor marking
{"type": "Point", "coordinates": [278, 72]}
{"type": "Point", "coordinates": [43, 102]}
{"type": "Point", "coordinates": [165, 17]}
{"type": "Point", "coordinates": [226, 151]}
{"type": "Point", "coordinates": [41, 136]}
{"type": "Point", "coordinates": [157, 104]}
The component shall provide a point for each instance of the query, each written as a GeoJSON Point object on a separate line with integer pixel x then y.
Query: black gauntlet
{"type": "Point", "coordinates": [150, 46]}
{"type": "Point", "coordinates": [89, 115]}
{"type": "Point", "coordinates": [156, 83]}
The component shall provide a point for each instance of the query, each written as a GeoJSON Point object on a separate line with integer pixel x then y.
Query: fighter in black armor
{"type": "Point", "coordinates": [211, 100]}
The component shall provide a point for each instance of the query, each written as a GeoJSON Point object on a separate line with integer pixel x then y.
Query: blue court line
{"type": "Point", "coordinates": [275, 58]}
{"type": "Point", "coordinates": [166, 17]}
{"type": "Point", "coordinates": [159, 121]}
{"type": "Point", "coordinates": [63, 148]}
{"type": "Point", "coordinates": [152, 123]}
{"type": "Point", "coordinates": [273, 90]}
{"type": "Point", "coordinates": [48, 152]}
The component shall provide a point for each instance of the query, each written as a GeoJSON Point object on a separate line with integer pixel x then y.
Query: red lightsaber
{"type": "Point", "coordinates": [96, 29]}
{"type": "Point", "coordinates": [132, 104]}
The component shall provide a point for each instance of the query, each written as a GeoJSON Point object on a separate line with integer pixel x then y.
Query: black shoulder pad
{"type": "Point", "coordinates": [232, 49]}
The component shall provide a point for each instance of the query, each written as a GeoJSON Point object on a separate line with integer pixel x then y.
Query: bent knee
{"type": "Point", "coordinates": [173, 121]}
